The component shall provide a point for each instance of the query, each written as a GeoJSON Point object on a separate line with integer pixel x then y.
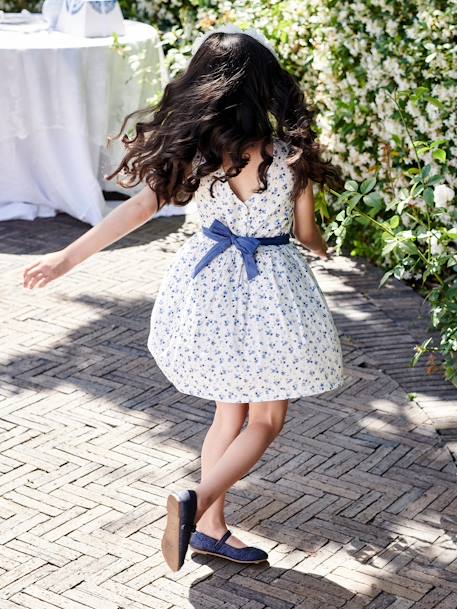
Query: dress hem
{"type": "Point", "coordinates": [260, 399]}
{"type": "Point", "coordinates": [331, 387]}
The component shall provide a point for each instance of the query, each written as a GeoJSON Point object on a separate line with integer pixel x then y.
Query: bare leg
{"type": "Point", "coordinates": [266, 420]}
{"type": "Point", "coordinates": [227, 424]}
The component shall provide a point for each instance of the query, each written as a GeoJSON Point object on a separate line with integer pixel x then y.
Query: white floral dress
{"type": "Point", "coordinates": [220, 336]}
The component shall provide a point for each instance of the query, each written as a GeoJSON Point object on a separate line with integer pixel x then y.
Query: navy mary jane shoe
{"type": "Point", "coordinates": [204, 544]}
{"type": "Point", "coordinates": [181, 511]}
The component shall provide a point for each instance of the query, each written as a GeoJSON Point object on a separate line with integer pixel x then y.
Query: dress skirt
{"type": "Point", "coordinates": [221, 337]}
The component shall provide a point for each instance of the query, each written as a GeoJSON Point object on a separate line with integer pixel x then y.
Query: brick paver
{"type": "Point", "coordinates": [356, 501]}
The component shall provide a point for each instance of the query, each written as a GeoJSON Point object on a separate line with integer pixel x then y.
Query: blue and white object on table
{"type": "Point", "coordinates": [51, 11]}
{"type": "Point", "coordinates": [91, 18]}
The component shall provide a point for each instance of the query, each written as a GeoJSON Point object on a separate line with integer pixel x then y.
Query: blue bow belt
{"type": "Point", "coordinates": [247, 246]}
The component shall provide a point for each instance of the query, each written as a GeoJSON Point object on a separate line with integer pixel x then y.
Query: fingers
{"type": "Point", "coordinates": [35, 278]}
{"type": "Point", "coordinates": [42, 282]}
{"type": "Point", "coordinates": [30, 272]}
{"type": "Point", "coordinates": [31, 266]}
{"type": "Point", "coordinates": [45, 269]}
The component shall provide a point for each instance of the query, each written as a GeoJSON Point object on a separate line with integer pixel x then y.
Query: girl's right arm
{"type": "Point", "coordinates": [122, 220]}
{"type": "Point", "coordinates": [305, 228]}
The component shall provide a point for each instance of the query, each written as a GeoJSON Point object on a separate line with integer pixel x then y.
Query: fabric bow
{"type": "Point", "coordinates": [225, 238]}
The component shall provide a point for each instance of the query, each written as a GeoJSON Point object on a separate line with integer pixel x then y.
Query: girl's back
{"type": "Point", "coordinates": [236, 203]}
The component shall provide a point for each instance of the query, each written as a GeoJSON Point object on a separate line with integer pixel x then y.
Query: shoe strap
{"type": "Point", "coordinates": [222, 540]}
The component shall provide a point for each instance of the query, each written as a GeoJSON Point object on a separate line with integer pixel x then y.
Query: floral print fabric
{"type": "Point", "coordinates": [221, 337]}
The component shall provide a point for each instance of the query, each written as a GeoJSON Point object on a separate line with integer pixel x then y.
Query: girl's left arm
{"type": "Point", "coordinates": [305, 228]}
{"type": "Point", "coordinates": [122, 220]}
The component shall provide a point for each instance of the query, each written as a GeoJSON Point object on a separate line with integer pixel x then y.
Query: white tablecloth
{"type": "Point", "coordinates": [61, 96]}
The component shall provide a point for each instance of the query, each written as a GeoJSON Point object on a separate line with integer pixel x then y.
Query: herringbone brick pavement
{"type": "Point", "coordinates": [356, 501]}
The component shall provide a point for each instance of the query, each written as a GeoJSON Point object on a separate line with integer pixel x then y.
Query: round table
{"type": "Point", "coordinates": [62, 95]}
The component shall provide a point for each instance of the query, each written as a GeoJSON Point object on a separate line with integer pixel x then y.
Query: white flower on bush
{"type": "Point", "coordinates": [450, 120]}
{"type": "Point", "coordinates": [413, 109]}
{"type": "Point", "coordinates": [391, 27]}
{"type": "Point", "coordinates": [392, 127]}
{"type": "Point", "coordinates": [420, 204]}
{"type": "Point", "coordinates": [443, 195]}
{"type": "Point", "coordinates": [405, 219]}
{"type": "Point", "coordinates": [422, 124]}
{"type": "Point", "coordinates": [373, 28]}
{"type": "Point", "coordinates": [432, 112]}
{"type": "Point", "coordinates": [435, 247]}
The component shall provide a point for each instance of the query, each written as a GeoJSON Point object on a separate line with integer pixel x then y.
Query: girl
{"type": "Point", "coordinates": [239, 318]}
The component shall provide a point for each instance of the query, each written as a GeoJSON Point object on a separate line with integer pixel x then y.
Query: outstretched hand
{"type": "Point", "coordinates": [46, 269]}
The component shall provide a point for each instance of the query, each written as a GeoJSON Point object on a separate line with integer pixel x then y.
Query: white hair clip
{"type": "Point", "coordinates": [231, 28]}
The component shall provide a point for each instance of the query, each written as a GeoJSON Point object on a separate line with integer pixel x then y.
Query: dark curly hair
{"type": "Point", "coordinates": [233, 93]}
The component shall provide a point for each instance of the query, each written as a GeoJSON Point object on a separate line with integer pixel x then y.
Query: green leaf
{"type": "Point", "coordinates": [373, 211]}
{"type": "Point", "coordinates": [354, 200]}
{"type": "Point", "coordinates": [416, 189]}
{"type": "Point", "coordinates": [439, 155]}
{"type": "Point", "coordinates": [436, 102]}
{"type": "Point", "coordinates": [428, 196]}
{"type": "Point", "coordinates": [426, 170]}
{"type": "Point", "coordinates": [344, 196]}
{"type": "Point", "coordinates": [389, 247]}
{"type": "Point", "coordinates": [373, 198]}
{"type": "Point", "coordinates": [367, 185]}
{"type": "Point", "coordinates": [439, 142]}
{"type": "Point", "coordinates": [399, 272]}
{"type": "Point", "coordinates": [351, 185]}
{"type": "Point", "coordinates": [394, 221]}
{"type": "Point", "coordinates": [409, 247]}
{"type": "Point", "coordinates": [401, 206]}
{"type": "Point", "coordinates": [420, 92]}
{"type": "Point", "coordinates": [420, 350]}
{"type": "Point", "coordinates": [385, 277]}
{"type": "Point", "coordinates": [434, 180]}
